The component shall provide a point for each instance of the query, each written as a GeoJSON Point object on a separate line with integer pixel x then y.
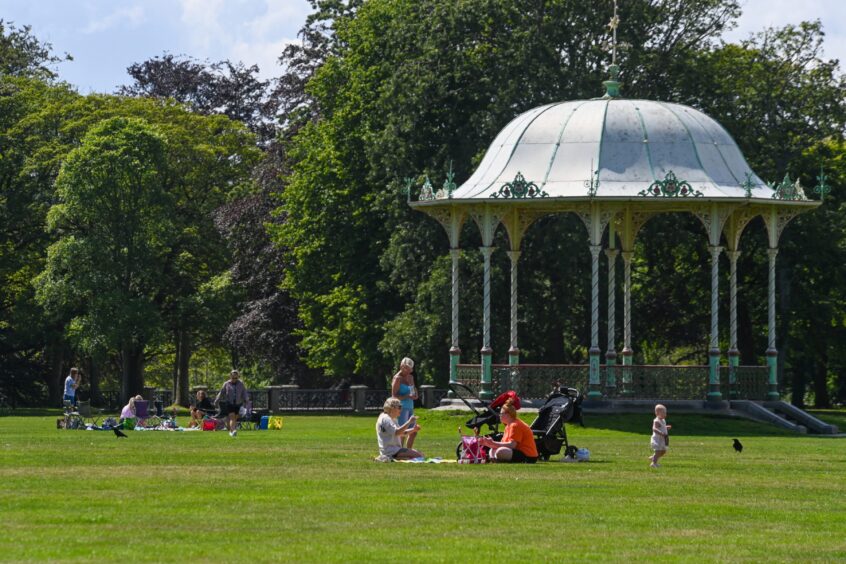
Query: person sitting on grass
{"type": "Point", "coordinates": [199, 410]}
{"type": "Point", "coordinates": [128, 411]}
{"type": "Point", "coordinates": [389, 433]}
{"type": "Point", "coordinates": [518, 442]}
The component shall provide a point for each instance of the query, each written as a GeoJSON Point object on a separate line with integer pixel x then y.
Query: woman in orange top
{"type": "Point", "coordinates": [518, 442]}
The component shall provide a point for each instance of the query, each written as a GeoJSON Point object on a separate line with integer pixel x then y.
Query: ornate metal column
{"type": "Point", "coordinates": [714, 352]}
{"type": "Point", "coordinates": [628, 353]}
{"type": "Point", "coordinates": [454, 350]}
{"type": "Point", "coordinates": [611, 352]}
{"type": "Point", "coordinates": [733, 353]}
{"type": "Point", "coordinates": [487, 352]}
{"type": "Point", "coordinates": [514, 351]}
{"type": "Point", "coordinates": [594, 351]}
{"type": "Point", "coordinates": [772, 352]}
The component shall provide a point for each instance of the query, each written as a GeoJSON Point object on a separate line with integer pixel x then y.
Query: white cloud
{"type": "Point", "coordinates": [202, 18]}
{"type": "Point", "coordinates": [133, 15]}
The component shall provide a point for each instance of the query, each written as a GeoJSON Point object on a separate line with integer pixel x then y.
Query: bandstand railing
{"type": "Point", "coordinates": [658, 382]}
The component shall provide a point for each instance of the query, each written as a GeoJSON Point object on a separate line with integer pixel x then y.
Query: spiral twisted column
{"type": "Point", "coordinates": [714, 352]}
{"type": "Point", "coordinates": [487, 352]}
{"type": "Point", "coordinates": [454, 351]}
{"type": "Point", "coordinates": [772, 352]}
{"type": "Point", "coordinates": [733, 353]}
{"type": "Point", "coordinates": [594, 352]}
{"type": "Point", "coordinates": [611, 352]}
{"type": "Point", "coordinates": [514, 351]}
{"type": "Point", "coordinates": [627, 319]}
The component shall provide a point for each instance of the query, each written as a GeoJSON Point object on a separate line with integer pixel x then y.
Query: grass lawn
{"type": "Point", "coordinates": [310, 492]}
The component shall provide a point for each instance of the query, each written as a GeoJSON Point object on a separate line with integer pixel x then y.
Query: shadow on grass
{"type": "Point", "coordinates": [686, 424]}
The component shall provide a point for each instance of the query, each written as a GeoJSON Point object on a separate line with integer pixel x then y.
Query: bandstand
{"type": "Point", "coordinates": [615, 163]}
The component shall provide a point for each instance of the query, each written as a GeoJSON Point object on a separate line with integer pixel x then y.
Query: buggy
{"type": "Point", "coordinates": [562, 405]}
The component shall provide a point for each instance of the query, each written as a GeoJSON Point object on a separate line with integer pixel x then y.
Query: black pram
{"type": "Point", "coordinates": [562, 405]}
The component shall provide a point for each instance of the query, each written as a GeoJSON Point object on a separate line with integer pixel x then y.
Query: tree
{"type": "Point", "coordinates": [116, 229]}
{"type": "Point", "coordinates": [406, 88]}
{"type": "Point", "coordinates": [22, 54]}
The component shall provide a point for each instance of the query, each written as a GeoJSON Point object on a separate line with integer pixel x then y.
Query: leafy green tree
{"type": "Point", "coordinates": [116, 229]}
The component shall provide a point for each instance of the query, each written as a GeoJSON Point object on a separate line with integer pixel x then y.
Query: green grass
{"type": "Point", "coordinates": [310, 492]}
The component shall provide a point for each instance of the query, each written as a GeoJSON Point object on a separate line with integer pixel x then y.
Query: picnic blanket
{"type": "Point", "coordinates": [420, 460]}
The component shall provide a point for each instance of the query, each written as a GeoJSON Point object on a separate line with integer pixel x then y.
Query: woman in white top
{"type": "Point", "coordinates": [389, 433]}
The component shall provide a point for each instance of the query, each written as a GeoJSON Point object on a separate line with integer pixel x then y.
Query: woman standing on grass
{"type": "Point", "coordinates": [403, 389]}
{"type": "Point", "coordinates": [234, 395]}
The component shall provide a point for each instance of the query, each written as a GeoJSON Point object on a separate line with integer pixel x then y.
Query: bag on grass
{"type": "Point", "coordinates": [275, 423]}
{"type": "Point", "coordinates": [208, 424]}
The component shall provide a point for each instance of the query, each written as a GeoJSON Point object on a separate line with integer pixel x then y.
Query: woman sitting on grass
{"type": "Point", "coordinates": [518, 442]}
{"type": "Point", "coordinates": [198, 410]}
{"type": "Point", "coordinates": [389, 433]}
{"type": "Point", "coordinates": [128, 411]}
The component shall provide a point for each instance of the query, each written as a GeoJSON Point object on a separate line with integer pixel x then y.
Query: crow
{"type": "Point", "coordinates": [118, 432]}
{"type": "Point", "coordinates": [737, 446]}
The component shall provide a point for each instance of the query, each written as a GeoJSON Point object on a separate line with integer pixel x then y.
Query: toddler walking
{"type": "Point", "coordinates": [660, 437]}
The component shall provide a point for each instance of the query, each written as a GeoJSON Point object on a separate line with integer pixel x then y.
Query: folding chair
{"type": "Point", "coordinates": [84, 409]}
{"type": "Point", "coordinates": [142, 412]}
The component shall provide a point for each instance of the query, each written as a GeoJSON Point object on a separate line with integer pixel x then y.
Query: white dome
{"type": "Point", "coordinates": [631, 143]}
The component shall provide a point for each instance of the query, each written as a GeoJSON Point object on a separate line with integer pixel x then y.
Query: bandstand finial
{"type": "Point", "coordinates": [612, 87]}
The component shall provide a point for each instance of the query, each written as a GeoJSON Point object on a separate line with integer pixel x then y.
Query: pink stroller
{"type": "Point", "coordinates": [472, 451]}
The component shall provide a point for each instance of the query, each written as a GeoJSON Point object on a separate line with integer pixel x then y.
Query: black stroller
{"type": "Point", "coordinates": [562, 405]}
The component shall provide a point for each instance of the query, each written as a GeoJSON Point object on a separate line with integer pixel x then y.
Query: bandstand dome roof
{"type": "Point", "coordinates": [627, 145]}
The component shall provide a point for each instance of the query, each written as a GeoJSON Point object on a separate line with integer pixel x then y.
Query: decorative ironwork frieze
{"type": "Point", "coordinates": [426, 192]}
{"type": "Point", "coordinates": [822, 188]}
{"type": "Point", "coordinates": [592, 184]}
{"type": "Point", "coordinates": [748, 185]}
{"type": "Point", "coordinates": [520, 188]}
{"type": "Point", "coordinates": [789, 190]}
{"type": "Point", "coordinates": [670, 187]}
{"type": "Point", "coordinates": [449, 184]}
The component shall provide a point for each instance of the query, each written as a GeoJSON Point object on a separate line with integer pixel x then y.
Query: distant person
{"type": "Point", "coordinates": [233, 395]}
{"type": "Point", "coordinates": [199, 410]}
{"type": "Point", "coordinates": [71, 384]}
{"type": "Point", "coordinates": [389, 433]}
{"type": "Point", "coordinates": [518, 442]}
{"type": "Point", "coordinates": [403, 388]}
{"type": "Point", "coordinates": [660, 435]}
{"type": "Point", "coordinates": [128, 411]}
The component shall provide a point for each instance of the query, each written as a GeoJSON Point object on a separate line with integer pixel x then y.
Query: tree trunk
{"type": "Point", "coordinates": [55, 356]}
{"type": "Point", "coordinates": [92, 367]}
{"type": "Point", "coordinates": [797, 389]}
{"type": "Point", "coordinates": [184, 349]}
{"type": "Point", "coordinates": [132, 380]}
{"type": "Point", "coordinates": [821, 397]}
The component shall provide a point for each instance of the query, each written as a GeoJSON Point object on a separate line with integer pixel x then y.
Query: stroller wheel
{"type": "Point", "coordinates": [570, 451]}
{"type": "Point", "coordinates": [459, 451]}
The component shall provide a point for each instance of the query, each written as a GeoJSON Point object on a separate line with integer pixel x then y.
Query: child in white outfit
{"type": "Point", "coordinates": [660, 435]}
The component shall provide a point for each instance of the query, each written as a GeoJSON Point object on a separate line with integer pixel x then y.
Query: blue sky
{"type": "Point", "coordinates": [106, 36]}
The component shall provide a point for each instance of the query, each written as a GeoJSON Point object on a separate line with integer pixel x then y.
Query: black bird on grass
{"type": "Point", "coordinates": [737, 446]}
{"type": "Point", "coordinates": [118, 432]}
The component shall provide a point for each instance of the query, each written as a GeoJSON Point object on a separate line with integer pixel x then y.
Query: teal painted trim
{"type": "Point", "coordinates": [601, 139]}
{"type": "Point", "coordinates": [610, 373]}
{"type": "Point", "coordinates": [714, 377]}
{"type": "Point", "coordinates": [453, 368]}
{"type": "Point", "coordinates": [719, 152]}
{"type": "Point", "coordinates": [646, 137]}
{"type": "Point", "coordinates": [669, 108]}
{"type": "Point", "coordinates": [772, 365]}
{"type": "Point", "coordinates": [514, 359]}
{"type": "Point", "coordinates": [558, 143]}
{"type": "Point", "coordinates": [594, 392]}
{"type": "Point", "coordinates": [542, 111]}
{"type": "Point", "coordinates": [490, 164]}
